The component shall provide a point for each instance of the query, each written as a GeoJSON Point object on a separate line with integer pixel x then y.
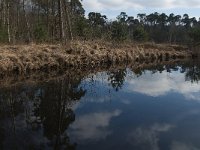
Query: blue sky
{"type": "Point", "coordinates": [112, 8]}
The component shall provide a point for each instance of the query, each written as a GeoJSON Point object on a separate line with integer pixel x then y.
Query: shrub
{"type": "Point", "coordinates": [139, 34]}
{"type": "Point", "coordinates": [119, 31]}
{"type": "Point", "coordinates": [3, 35]}
{"type": "Point", "coordinates": [195, 35]}
{"type": "Point", "coordinates": [40, 34]}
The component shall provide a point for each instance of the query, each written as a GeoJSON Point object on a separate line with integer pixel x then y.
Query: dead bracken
{"type": "Point", "coordinates": [22, 59]}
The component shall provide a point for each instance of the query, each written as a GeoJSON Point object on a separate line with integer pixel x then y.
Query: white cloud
{"type": "Point", "coordinates": [159, 84]}
{"type": "Point", "coordinates": [99, 5]}
{"type": "Point", "coordinates": [93, 126]}
{"type": "Point", "coordinates": [92, 5]}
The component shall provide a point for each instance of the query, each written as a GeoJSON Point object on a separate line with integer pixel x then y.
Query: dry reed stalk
{"type": "Point", "coordinates": [21, 59]}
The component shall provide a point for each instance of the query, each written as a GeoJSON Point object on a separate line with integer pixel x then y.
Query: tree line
{"type": "Point", "coordinates": [38, 20]}
{"type": "Point", "coordinates": [65, 20]}
{"type": "Point", "coordinates": [155, 27]}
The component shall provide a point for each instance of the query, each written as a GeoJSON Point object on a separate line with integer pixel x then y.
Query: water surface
{"type": "Point", "coordinates": [153, 109]}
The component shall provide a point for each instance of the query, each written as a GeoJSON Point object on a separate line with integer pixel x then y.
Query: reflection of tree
{"type": "Point", "coordinates": [54, 109]}
{"type": "Point", "coordinates": [47, 105]}
{"type": "Point", "coordinates": [116, 78]}
{"type": "Point", "coordinates": [11, 105]}
{"type": "Point", "coordinates": [153, 69]}
{"type": "Point", "coordinates": [193, 74]}
{"type": "Point", "coordinates": [191, 70]}
{"type": "Point", "coordinates": [157, 68]}
{"type": "Point", "coordinates": [138, 71]}
{"type": "Point", "coordinates": [2, 136]}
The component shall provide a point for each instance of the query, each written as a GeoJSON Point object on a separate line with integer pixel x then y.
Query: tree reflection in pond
{"type": "Point", "coordinates": [39, 116]}
{"type": "Point", "coordinates": [192, 71]}
{"type": "Point", "coordinates": [117, 78]}
{"type": "Point", "coordinates": [44, 109]}
{"type": "Point", "coordinates": [55, 111]}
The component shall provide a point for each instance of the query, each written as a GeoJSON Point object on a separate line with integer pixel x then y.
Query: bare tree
{"type": "Point", "coordinates": [68, 20]}
{"type": "Point", "coordinates": [27, 22]}
{"type": "Point", "coordinates": [8, 21]}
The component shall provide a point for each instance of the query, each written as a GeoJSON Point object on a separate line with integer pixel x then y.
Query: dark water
{"type": "Point", "coordinates": [153, 109]}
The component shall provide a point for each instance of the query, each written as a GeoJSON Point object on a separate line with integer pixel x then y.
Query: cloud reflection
{"type": "Point", "coordinates": [148, 137]}
{"type": "Point", "coordinates": [93, 126]}
{"type": "Point", "coordinates": [182, 146]}
{"type": "Point", "coordinates": [160, 84]}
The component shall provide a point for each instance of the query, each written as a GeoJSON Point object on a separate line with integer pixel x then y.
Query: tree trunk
{"type": "Point", "coordinates": [4, 13]}
{"type": "Point", "coordinates": [52, 19]}
{"type": "Point", "coordinates": [27, 23]}
{"type": "Point", "coordinates": [68, 20]}
{"type": "Point", "coordinates": [38, 14]}
{"type": "Point", "coordinates": [48, 16]}
{"type": "Point", "coordinates": [18, 8]}
{"type": "Point", "coordinates": [8, 21]}
{"type": "Point", "coordinates": [1, 11]}
{"type": "Point", "coordinates": [61, 21]}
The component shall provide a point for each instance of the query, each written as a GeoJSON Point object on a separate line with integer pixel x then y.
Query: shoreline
{"type": "Point", "coordinates": [43, 77]}
{"type": "Point", "coordinates": [25, 59]}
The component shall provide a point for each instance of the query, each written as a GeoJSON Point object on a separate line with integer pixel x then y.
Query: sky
{"type": "Point", "coordinates": [112, 8]}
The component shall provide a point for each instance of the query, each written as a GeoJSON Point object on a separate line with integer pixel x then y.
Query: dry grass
{"type": "Point", "coordinates": [23, 59]}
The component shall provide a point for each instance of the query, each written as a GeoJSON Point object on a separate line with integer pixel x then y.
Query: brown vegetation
{"type": "Point", "coordinates": [36, 78]}
{"type": "Point", "coordinates": [23, 59]}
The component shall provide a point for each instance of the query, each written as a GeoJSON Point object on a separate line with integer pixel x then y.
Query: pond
{"type": "Point", "coordinates": [145, 109]}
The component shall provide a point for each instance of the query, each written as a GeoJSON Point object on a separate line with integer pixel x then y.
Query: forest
{"type": "Point", "coordinates": [60, 21]}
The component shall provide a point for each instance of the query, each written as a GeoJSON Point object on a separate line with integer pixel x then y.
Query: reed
{"type": "Point", "coordinates": [23, 59]}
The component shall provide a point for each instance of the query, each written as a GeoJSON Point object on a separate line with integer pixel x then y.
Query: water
{"type": "Point", "coordinates": [151, 109]}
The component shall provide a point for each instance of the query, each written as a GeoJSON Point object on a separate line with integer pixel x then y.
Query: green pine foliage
{"type": "Point", "coordinates": [40, 34]}
{"type": "Point", "coordinates": [3, 35]}
{"type": "Point", "coordinates": [119, 31]}
{"type": "Point", "coordinates": [139, 34]}
{"type": "Point", "coordinates": [195, 34]}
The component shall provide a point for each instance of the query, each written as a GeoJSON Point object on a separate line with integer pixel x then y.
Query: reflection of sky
{"type": "Point", "coordinates": [148, 137]}
{"type": "Point", "coordinates": [93, 126]}
{"type": "Point", "coordinates": [182, 146]}
{"type": "Point", "coordinates": [155, 85]}
{"type": "Point", "coordinates": [160, 84]}
{"type": "Point", "coordinates": [131, 119]}
{"type": "Point", "coordinates": [128, 119]}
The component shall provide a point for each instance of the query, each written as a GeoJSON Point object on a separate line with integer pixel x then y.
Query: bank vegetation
{"type": "Point", "coordinates": [24, 59]}
{"type": "Point", "coordinates": [57, 34]}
